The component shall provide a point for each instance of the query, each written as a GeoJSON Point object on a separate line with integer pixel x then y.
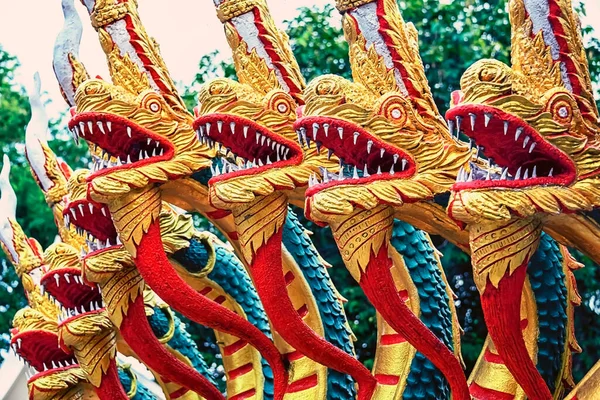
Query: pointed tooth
{"type": "Point", "coordinates": [355, 173]}
{"type": "Point", "coordinates": [451, 127]}
{"type": "Point", "coordinates": [81, 208]}
{"type": "Point", "coordinates": [369, 146]}
{"type": "Point", "coordinates": [82, 128]}
{"type": "Point", "coordinates": [128, 159]}
{"type": "Point", "coordinates": [518, 132]}
{"type": "Point", "coordinates": [246, 128]}
{"type": "Point", "coordinates": [326, 129]}
{"type": "Point", "coordinates": [381, 153]}
{"type": "Point", "coordinates": [488, 118]}
{"type": "Point", "coordinates": [379, 170]}
{"type": "Point", "coordinates": [504, 174]}
{"type": "Point", "coordinates": [518, 174]}
{"type": "Point", "coordinates": [356, 135]}
{"type": "Point", "coordinates": [67, 278]}
{"type": "Point", "coordinates": [506, 124]}
{"type": "Point", "coordinates": [262, 140]}
{"type": "Point", "coordinates": [101, 127]}
{"type": "Point", "coordinates": [129, 131]}
{"type": "Point", "coordinates": [551, 171]}
{"type": "Point", "coordinates": [148, 141]}
{"type": "Point", "coordinates": [532, 147]}
{"type": "Point", "coordinates": [220, 126]}
{"type": "Point", "coordinates": [526, 141]}
{"type": "Point", "coordinates": [404, 164]}
{"type": "Point", "coordinates": [473, 118]}
{"type": "Point", "coordinates": [458, 123]}
{"type": "Point", "coordinates": [341, 132]}
{"type": "Point", "coordinates": [392, 172]}
{"type": "Point", "coordinates": [207, 125]}
{"type": "Point", "coordinates": [269, 160]}
{"type": "Point", "coordinates": [257, 137]}
{"type": "Point", "coordinates": [109, 126]}
{"type": "Point", "coordinates": [315, 130]}
{"type": "Point", "coordinates": [90, 126]}
{"type": "Point", "coordinates": [91, 207]}
{"type": "Point", "coordinates": [232, 127]}
{"type": "Point", "coordinates": [470, 176]}
{"type": "Point", "coordinates": [526, 174]}
{"type": "Point", "coordinates": [534, 172]}
{"type": "Point", "coordinates": [366, 171]}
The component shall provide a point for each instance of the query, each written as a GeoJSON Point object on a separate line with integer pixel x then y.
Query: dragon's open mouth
{"type": "Point", "coordinates": [117, 142]}
{"type": "Point", "coordinates": [92, 221]}
{"type": "Point", "coordinates": [39, 348]}
{"type": "Point", "coordinates": [250, 147]}
{"type": "Point", "coordinates": [75, 296]}
{"type": "Point", "coordinates": [517, 155]}
{"type": "Point", "coordinates": [363, 157]}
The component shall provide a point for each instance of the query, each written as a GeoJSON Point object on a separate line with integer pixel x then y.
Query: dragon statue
{"type": "Point", "coordinates": [536, 125]}
{"type": "Point", "coordinates": [213, 313]}
{"type": "Point", "coordinates": [416, 198]}
{"type": "Point", "coordinates": [55, 372]}
{"type": "Point", "coordinates": [258, 164]}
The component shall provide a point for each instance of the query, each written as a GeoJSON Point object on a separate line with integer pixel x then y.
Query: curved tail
{"type": "Point", "coordinates": [378, 285]}
{"type": "Point", "coordinates": [158, 273]}
{"type": "Point", "coordinates": [138, 334]}
{"type": "Point", "coordinates": [271, 286]}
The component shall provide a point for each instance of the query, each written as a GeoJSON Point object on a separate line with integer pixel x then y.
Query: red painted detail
{"type": "Point", "coordinates": [303, 384]}
{"type": "Point", "coordinates": [492, 358]}
{"type": "Point", "coordinates": [110, 387]}
{"type": "Point", "coordinates": [233, 235]}
{"type": "Point", "coordinates": [294, 355]}
{"type": "Point", "coordinates": [289, 277]}
{"type": "Point", "coordinates": [138, 334]}
{"type": "Point", "coordinates": [155, 268]}
{"type": "Point", "coordinates": [217, 214]}
{"type": "Point", "coordinates": [502, 313]}
{"type": "Point", "coordinates": [234, 347]}
{"type": "Point", "coordinates": [481, 393]}
{"type": "Point", "coordinates": [269, 280]}
{"type": "Point", "coordinates": [205, 291]}
{"type": "Point", "coordinates": [220, 299]}
{"type": "Point", "coordinates": [403, 295]}
{"type": "Point", "coordinates": [378, 285]}
{"type": "Point", "coordinates": [245, 395]}
{"type": "Point", "coordinates": [395, 338]}
{"type": "Point", "coordinates": [178, 393]}
{"type": "Point", "coordinates": [524, 324]}
{"type": "Point", "coordinates": [387, 379]}
{"type": "Point", "coordinates": [303, 311]}
{"type": "Point", "coordinates": [243, 370]}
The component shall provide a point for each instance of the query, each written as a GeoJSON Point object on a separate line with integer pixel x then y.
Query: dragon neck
{"type": "Point", "coordinates": [290, 302]}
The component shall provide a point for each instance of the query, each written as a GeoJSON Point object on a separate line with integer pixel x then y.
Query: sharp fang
{"type": "Point", "coordinates": [109, 126]}
{"type": "Point", "coordinates": [518, 174]}
{"type": "Point", "coordinates": [458, 122]}
{"type": "Point", "coordinates": [526, 141]}
{"type": "Point", "coordinates": [381, 153]}
{"type": "Point", "coordinates": [392, 170]}
{"type": "Point", "coordinates": [404, 164]}
{"type": "Point", "coordinates": [82, 128]}
{"type": "Point", "coordinates": [518, 133]}
{"type": "Point", "coordinates": [504, 174]}
{"type": "Point", "coordinates": [101, 127]}
{"type": "Point", "coordinates": [246, 131]}
{"type": "Point", "coordinates": [531, 147]}
{"type": "Point", "coordinates": [473, 118]}
{"type": "Point", "coordinates": [326, 129]}
{"type": "Point", "coordinates": [488, 118]}
{"type": "Point", "coordinates": [369, 145]}
{"type": "Point", "coordinates": [534, 172]}
{"type": "Point", "coordinates": [526, 174]}
{"type": "Point", "coordinates": [315, 130]}
{"type": "Point", "coordinates": [220, 126]}
{"type": "Point", "coordinates": [81, 209]}
{"type": "Point", "coordinates": [551, 171]}
{"type": "Point", "coordinates": [379, 170]}
{"type": "Point", "coordinates": [451, 127]}
{"type": "Point", "coordinates": [232, 127]}
{"type": "Point", "coordinates": [57, 279]}
{"type": "Point", "coordinates": [341, 133]}
{"type": "Point", "coordinates": [129, 131]}
{"type": "Point", "coordinates": [356, 135]}
{"type": "Point", "coordinates": [207, 128]}
{"type": "Point", "coordinates": [365, 171]}
{"type": "Point", "coordinates": [506, 124]}
{"type": "Point", "coordinates": [355, 173]}
{"type": "Point", "coordinates": [103, 212]}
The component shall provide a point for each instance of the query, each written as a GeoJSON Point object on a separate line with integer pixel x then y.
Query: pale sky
{"type": "Point", "coordinates": [185, 29]}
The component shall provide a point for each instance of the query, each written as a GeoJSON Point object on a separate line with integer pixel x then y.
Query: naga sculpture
{"type": "Point", "coordinates": [536, 124]}
{"type": "Point", "coordinates": [259, 164]}
{"type": "Point", "coordinates": [140, 136]}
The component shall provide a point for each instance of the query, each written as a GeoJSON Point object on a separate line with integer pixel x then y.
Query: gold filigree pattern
{"type": "Point", "coordinates": [60, 385]}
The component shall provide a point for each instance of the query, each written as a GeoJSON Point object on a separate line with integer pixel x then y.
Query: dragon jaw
{"type": "Point", "coordinates": [395, 154]}
{"type": "Point", "coordinates": [256, 133]}
{"type": "Point", "coordinates": [541, 149]}
{"type": "Point", "coordinates": [135, 139]}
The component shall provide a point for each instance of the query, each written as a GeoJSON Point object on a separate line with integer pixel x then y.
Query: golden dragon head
{"type": "Point", "coordinates": [384, 127]}
{"type": "Point", "coordinates": [251, 121]}
{"type": "Point", "coordinates": [137, 127]}
{"type": "Point", "coordinates": [536, 122]}
{"type": "Point", "coordinates": [34, 337]}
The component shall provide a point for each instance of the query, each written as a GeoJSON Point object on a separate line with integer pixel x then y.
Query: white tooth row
{"type": "Point", "coordinates": [281, 151]}
{"type": "Point", "coordinates": [66, 313]}
{"type": "Point", "coordinates": [95, 244]}
{"type": "Point", "coordinates": [83, 210]}
{"type": "Point", "coordinates": [79, 130]}
{"type": "Point", "coordinates": [67, 277]}
{"type": "Point", "coordinates": [455, 126]}
{"type": "Point", "coordinates": [108, 161]}
{"type": "Point", "coordinates": [32, 370]}
{"type": "Point", "coordinates": [464, 176]}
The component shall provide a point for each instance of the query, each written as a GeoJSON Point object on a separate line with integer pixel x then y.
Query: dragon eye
{"type": "Point", "coordinates": [396, 113]}
{"type": "Point", "coordinates": [282, 108]}
{"type": "Point", "coordinates": [562, 111]}
{"type": "Point", "coordinates": [393, 108]}
{"type": "Point", "coordinates": [154, 107]}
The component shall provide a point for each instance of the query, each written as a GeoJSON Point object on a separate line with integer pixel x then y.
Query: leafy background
{"type": "Point", "coordinates": [452, 37]}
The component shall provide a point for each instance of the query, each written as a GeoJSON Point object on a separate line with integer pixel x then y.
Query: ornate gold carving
{"type": "Point", "coordinates": [346, 5]}
{"type": "Point", "coordinates": [92, 337]}
{"type": "Point", "coordinates": [60, 385]}
{"type": "Point", "coordinates": [498, 248]}
{"type": "Point", "coordinates": [230, 9]}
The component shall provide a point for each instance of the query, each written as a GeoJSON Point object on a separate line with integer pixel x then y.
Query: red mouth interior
{"type": "Point", "coordinates": [93, 221]}
{"type": "Point", "coordinates": [363, 157]}
{"type": "Point", "coordinates": [248, 144]}
{"type": "Point", "coordinates": [516, 152]}
{"type": "Point", "coordinates": [67, 286]}
{"type": "Point", "coordinates": [40, 349]}
{"type": "Point", "coordinates": [121, 141]}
